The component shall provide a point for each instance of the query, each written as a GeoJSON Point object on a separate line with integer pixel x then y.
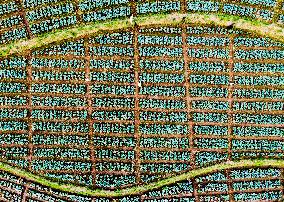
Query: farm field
{"type": "Point", "coordinates": [172, 111]}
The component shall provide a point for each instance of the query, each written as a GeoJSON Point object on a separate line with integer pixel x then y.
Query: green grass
{"type": "Point", "coordinates": [143, 188]}
{"type": "Point", "coordinates": [260, 28]}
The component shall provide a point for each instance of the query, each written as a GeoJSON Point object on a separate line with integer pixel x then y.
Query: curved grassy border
{"type": "Point", "coordinates": [261, 28]}
{"type": "Point", "coordinates": [142, 188]}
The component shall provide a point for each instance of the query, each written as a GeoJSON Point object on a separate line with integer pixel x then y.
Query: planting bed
{"type": "Point", "coordinates": [135, 106]}
{"type": "Point", "coordinates": [21, 19]}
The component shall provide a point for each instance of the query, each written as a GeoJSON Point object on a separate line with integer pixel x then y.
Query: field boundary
{"type": "Point", "coordinates": [143, 188]}
{"type": "Point", "coordinates": [255, 27]}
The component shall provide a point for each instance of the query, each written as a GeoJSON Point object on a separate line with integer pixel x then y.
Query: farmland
{"type": "Point", "coordinates": [142, 106]}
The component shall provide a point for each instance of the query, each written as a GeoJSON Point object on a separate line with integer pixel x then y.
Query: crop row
{"type": "Point", "coordinates": [113, 38]}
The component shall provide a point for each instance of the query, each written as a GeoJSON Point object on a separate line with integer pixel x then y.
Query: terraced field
{"type": "Point", "coordinates": [178, 111]}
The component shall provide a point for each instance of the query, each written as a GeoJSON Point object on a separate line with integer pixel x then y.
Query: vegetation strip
{"type": "Point", "coordinates": [265, 29]}
{"type": "Point", "coordinates": [143, 188]}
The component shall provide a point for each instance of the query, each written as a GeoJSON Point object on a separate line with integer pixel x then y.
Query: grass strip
{"type": "Point", "coordinates": [142, 188]}
{"type": "Point", "coordinates": [256, 27]}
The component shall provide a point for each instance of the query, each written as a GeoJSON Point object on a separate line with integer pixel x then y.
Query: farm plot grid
{"type": "Point", "coordinates": [134, 106]}
{"type": "Point", "coordinates": [25, 19]}
{"type": "Point", "coordinates": [238, 184]}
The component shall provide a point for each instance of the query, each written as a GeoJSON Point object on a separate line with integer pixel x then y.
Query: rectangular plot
{"type": "Point", "coordinates": [210, 130]}
{"type": "Point", "coordinates": [261, 106]}
{"type": "Point", "coordinates": [181, 143]}
{"type": "Point", "coordinates": [112, 76]}
{"type": "Point", "coordinates": [41, 139]}
{"type": "Point", "coordinates": [208, 53]}
{"type": "Point", "coordinates": [175, 91]}
{"type": "Point", "coordinates": [114, 141]}
{"type": "Point", "coordinates": [34, 3]}
{"type": "Point", "coordinates": [270, 145]}
{"type": "Point", "coordinates": [259, 54]}
{"type": "Point", "coordinates": [113, 115]}
{"type": "Point", "coordinates": [259, 80]}
{"type": "Point", "coordinates": [164, 167]}
{"type": "Point", "coordinates": [258, 67]}
{"type": "Point", "coordinates": [161, 29]}
{"type": "Point", "coordinates": [58, 101]}
{"type": "Point", "coordinates": [254, 93]}
{"type": "Point", "coordinates": [114, 102]}
{"type": "Point", "coordinates": [12, 87]}
{"type": "Point", "coordinates": [207, 158]}
{"type": "Point", "coordinates": [210, 143]}
{"type": "Point", "coordinates": [239, 10]}
{"type": "Point", "coordinates": [53, 23]}
{"type": "Point", "coordinates": [13, 125]}
{"type": "Point", "coordinates": [60, 127]}
{"type": "Point", "coordinates": [208, 66]}
{"type": "Point", "coordinates": [158, 6]}
{"type": "Point", "coordinates": [267, 184]}
{"type": "Point", "coordinates": [161, 78]}
{"type": "Point", "coordinates": [213, 187]}
{"type": "Point", "coordinates": [108, 181]}
{"type": "Point", "coordinates": [106, 14]}
{"type": "Point", "coordinates": [258, 118]}
{"type": "Point", "coordinates": [254, 42]}
{"type": "Point", "coordinates": [13, 113]}
{"type": "Point", "coordinates": [210, 117]}
{"type": "Point", "coordinates": [111, 51]}
{"type": "Point", "coordinates": [59, 88]}
{"type": "Point", "coordinates": [86, 5]}
{"type": "Point", "coordinates": [114, 154]}
{"type": "Point", "coordinates": [111, 64]}
{"type": "Point", "coordinates": [255, 173]}
{"type": "Point", "coordinates": [268, 195]}
{"type": "Point", "coordinates": [55, 165]}
{"type": "Point", "coordinates": [163, 116]}
{"type": "Point", "coordinates": [57, 63]}
{"type": "Point", "coordinates": [161, 65]}
{"type": "Point", "coordinates": [205, 104]}
{"type": "Point", "coordinates": [58, 114]}
{"type": "Point", "coordinates": [151, 51]}
{"type": "Point", "coordinates": [159, 40]}
{"type": "Point", "coordinates": [160, 129]}
{"type": "Point", "coordinates": [10, 152]}
{"type": "Point", "coordinates": [199, 5]}
{"type": "Point", "coordinates": [113, 128]}
{"type": "Point", "coordinates": [12, 74]}
{"type": "Point", "coordinates": [58, 76]}
{"type": "Point", "coordinates": [14, 62]}
{"type": "Point", "coordinates": [208, 41]}
{"type": "Point", "coordinates": [209, 79]}
{"type": "Point", "coordinates": [62, 153]}
{"type": "Point", "coordinates": [113, 89]}
{"type": "Point", "coordinates": [162, 104]}
{"type": "Point", "coordinates": [167, 155]}
{"type": "Point", "coordinates": [208, 92]}
{"type": "Point", "coordinates": [258, 131]}
{"type": "Point", "coordinates": [10, 138]}
{"type": "Point", "coordinates": [49, 11]}
{"type": "Point", "coordinates": [114, 166]}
